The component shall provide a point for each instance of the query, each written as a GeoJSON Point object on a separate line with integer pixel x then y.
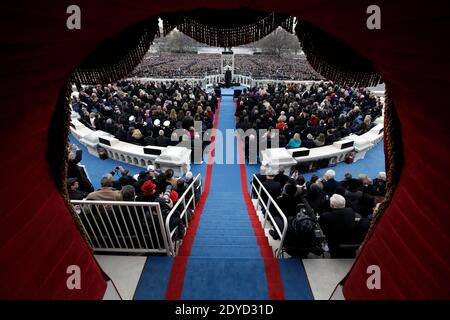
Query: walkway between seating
{"type": "Point", "coordinates": [225, 254]}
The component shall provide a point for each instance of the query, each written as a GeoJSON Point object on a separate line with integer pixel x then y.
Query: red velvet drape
{"type": "Point", "coordinates": [38, 238]}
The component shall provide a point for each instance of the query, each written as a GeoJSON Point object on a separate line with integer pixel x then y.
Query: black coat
{"type": "Point", "coordinates": [273, 187]}
{"type": "Point", "coordinates": [77, 194]}
{"type": "Point", "coordinates": [339, 226]}
{"type": "Point", "coordinates": [330, 186]}
{"type": "Point", "coordinates": [74, 171]}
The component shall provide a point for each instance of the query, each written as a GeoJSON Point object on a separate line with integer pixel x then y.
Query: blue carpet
{"type": "Point", "coordinates": [225, 279]}
{"type": "Point", "coordinates": [225, 260]}
{"type": "Point", "coordinates": [295, 281]}
{"type": "Point", "coordinates": [230, 268]}
{"type": "Point", "coordinates": [154, 278]}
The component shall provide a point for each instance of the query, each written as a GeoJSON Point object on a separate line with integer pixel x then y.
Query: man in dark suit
{"type": "Point", "coordinates": [339, 224]}
{"type": "Point", "coordinates": [75, 171]}
{"type": "Point", "coordinates": [228, 78]}
{"type": "Point", "coordinates": [281, 177]}
{"type": "Point", "coordinates": [149, 140]}
{"type": "Point", "coordinates": [273, 187]}
{"type": "Point", "coordinates": [329, 184]}
{"type": "Point", "coordinates": [72, 189]}
{"type": "Point", "coordinates": [162, 140]}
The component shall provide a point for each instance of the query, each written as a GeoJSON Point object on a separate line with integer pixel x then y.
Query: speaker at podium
{"type": "Point", "coordinates": [228, 78]}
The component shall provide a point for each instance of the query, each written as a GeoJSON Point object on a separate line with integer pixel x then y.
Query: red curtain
{"type": "Point", "coordinates": [38, 238]}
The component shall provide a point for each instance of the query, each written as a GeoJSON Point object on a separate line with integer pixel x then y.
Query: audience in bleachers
{"type": "Point", "coordinates": [343, 210]}
{"type": "Point", "coordinates": [177, 65]}
{"type": "Point", "coordinates": [288, 67]}
{"type": "Point", "coordinates": [146, 113]}
{"type": "Point", "coordinates": [192, 65]}
{"type": "Point", "coordinates": [307, 116]}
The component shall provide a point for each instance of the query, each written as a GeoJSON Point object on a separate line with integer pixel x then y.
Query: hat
{"type": "Point", "coordinates": [131, 118]}
{"type": "Point", "coordinates": [150, 168]}
{"type": "Point", "coordinates": [166, 123]}
{"type": "Point", "coordinates": [148, 188]}
{"type": "Point", "coordinates": [173, 196]}
{"type": "Point", "coordinates": [71, 181]}
{"type": "Point", "coordinates": [157, 122]}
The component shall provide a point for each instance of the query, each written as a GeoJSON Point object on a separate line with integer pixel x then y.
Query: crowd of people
{"type": "Point", "coordinates": [342, 210]}
{"type": "Point", "coordinates": [177, 65]}
{"type": "Point", "coordinates": [307, 116]}
{"type": "Point", "coordinates": [150, 185]}
{"type": "Point", "coordinates": [192, 65]}
{"type": "Point", "coordinates": [146, 113]}
{"type": "Point", "coordinates": [290, 67]}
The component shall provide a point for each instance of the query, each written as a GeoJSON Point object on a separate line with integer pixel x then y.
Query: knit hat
{"type": "Point", "coordinates": [71, 181]}
{"type": "Point", "coordinates": [173, 196]}
{"type": "Point", "coordinates": [148, 188]}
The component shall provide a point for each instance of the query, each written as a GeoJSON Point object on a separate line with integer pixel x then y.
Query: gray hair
{"type": "Point", "coordinates": [337, 201]}
{"type": "Point", "coordinates": [330, 174]}
{"type": "Point", "coordinates": [107, 180]}
{"type": "Point", "coordinates": [128, 193]}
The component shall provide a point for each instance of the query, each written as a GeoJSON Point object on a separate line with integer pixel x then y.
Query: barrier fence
{"type": "Point", "coordinates": [269, 206]}
{"type": "Point", "coordinates": [135, 227]}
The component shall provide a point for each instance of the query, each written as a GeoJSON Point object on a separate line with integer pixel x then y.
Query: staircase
{"type": "Point", "coordinates": [228, 255]}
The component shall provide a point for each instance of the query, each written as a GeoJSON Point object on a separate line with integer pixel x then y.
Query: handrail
{"type": "Point", "coordinates": [191, 188]}
{"type": "Point", "coordinates": [271, 201]}
{"type": "Point", "coordinates": [112, 226]}
{"type": "Point", "coordinates": [204, 80]}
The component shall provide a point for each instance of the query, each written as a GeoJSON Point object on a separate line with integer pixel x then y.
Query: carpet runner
{"type": "Point", "coordinates": [225, 254]}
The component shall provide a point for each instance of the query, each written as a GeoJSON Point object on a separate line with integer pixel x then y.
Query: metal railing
{"type": "Point", "coordinates": [123, 226]}
{"type": "Point", "coordinates": [186, 203]}
{"type": "Point", "coordinates": [134, 227]}
{"type": "Point", "coordinates": [212, 79]}
{"type": "Point", "coordinates": [259, 192]}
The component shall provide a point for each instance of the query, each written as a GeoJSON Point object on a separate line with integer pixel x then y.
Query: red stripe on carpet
{"type": "Point", "coordinates": [178, 271]}
{"type": "Point", "coordinates": [273, 275]}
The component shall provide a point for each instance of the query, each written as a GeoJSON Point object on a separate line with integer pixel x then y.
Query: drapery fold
{"type": "Point", "coordinates": [116, 57]}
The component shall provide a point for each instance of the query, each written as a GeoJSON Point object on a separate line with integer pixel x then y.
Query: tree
{"type": "Point", "coordinates": [179, 42]}
{"type": "Point", "coordinates": [278, 41]}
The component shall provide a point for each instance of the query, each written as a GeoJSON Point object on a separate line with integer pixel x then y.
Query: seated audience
{"type": "Point", "coordinates": [106, 192]}
{"type": "Point", "coordinates": [339, 224]}
{"type": "Point", "coordinates": [72, 189]}
{"type": "Point", "coordinates": [329, 183]}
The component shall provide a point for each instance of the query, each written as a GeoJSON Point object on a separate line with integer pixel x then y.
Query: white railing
{"type": "Point", "coordinates": [134, 227]}
{"type": "Point", "coordinates": [123, 226]}
{"type": "Point", "coordinates": [263, 195]}
{"type": "Point", "coordinates": [213, 79]}
{"type": "Point", "coordinates": [186, 203]}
